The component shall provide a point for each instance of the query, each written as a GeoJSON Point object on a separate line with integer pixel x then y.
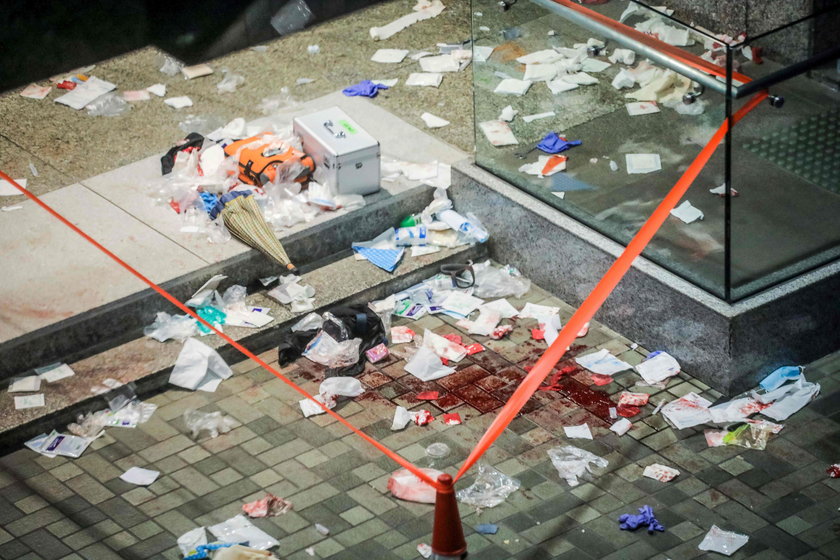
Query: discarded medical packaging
{"type": "Point", "coordinates": [572, 462]}
{"type": "Point", "coordinates": [491, 488]}
{"type": "Point", "coordinates": [404, 485]}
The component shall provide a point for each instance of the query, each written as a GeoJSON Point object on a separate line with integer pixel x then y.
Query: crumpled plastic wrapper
{"type": "Point", "coordinates": [270, 506]}
{"type": "Point", "coordinates": [491, 488]}
{"type": "Point", "coordinates": [572, 462]}
{"type": "Point", "coordinates": [406, 486]}
{"type": "Point", "coordinates": [212, 422]}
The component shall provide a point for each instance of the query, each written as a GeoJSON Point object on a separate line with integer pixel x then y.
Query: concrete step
{"type": "Point", "coordinates": [94, 331]}
{"type": "Point", "coordinates": [147, 363]}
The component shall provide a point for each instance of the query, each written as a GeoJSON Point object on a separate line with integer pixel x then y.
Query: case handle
{"type": "Point", "coordinates": [328, 124]}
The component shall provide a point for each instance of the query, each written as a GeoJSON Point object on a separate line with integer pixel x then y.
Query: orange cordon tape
{"type": "Point", "coordinates": [174, 301]}
{"type": "Point", "coordinates": [651, 41]}
{"type": "Point", "coordinates": [601, 292]}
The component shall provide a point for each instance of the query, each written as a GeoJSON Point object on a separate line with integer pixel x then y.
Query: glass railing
{"type": "Point", "coordinates": [642, 111]}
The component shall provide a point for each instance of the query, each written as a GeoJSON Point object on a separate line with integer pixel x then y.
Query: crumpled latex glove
{"type": "Point", "coordinates": [365, 88]}
{"type": "Point", "coordinates": [631, 522]}
{"type": "Point", "coordinates": [554, 144]}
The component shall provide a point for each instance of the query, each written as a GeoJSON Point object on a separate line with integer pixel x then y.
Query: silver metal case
{"type": "Point", "coordinates": [345, 155]}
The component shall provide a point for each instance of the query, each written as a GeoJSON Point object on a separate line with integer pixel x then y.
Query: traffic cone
{"type": "Point", "coordinates": [448, 541]}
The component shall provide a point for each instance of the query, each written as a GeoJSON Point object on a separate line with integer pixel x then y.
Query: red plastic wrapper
{"type": "Point", "coordinates": [454, 338]}
{"type": "Point", "coordinates": [423, 417]}
{"type": "Point", "coordinates": [538, 334]}
{"type": "Point", "coordinates": [628, 411]}
{"type": "Point", "coordinates": [269, 506]}
{"type": "Point", "coordinates": [633, 399]}
{"type": "Point", "coordinates": [833, 471]}
{"type": "Point", "coordinates": [474, 349]}
{"type": "Point", "coordinates": [452, 419]}
{"type": "Point", "coordinates": [66, 84]}
{"type": "Point", "coordinates": [601, 380]}
{"type": "Point", "coordinates": [428, 395]}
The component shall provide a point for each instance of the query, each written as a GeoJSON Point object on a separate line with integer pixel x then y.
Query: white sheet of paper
{"type": "Point", "coordinates": [389, 56]}
{"type": "Point", "coordinates": [539, 312]}
{"type": "Point", "coordinates": [560, 85]}
{"type": "Point", "coordinates": [433, 121]}
{"type": "Point", "coordinates": [85, 92]}
{"type": "Point", "coordinates": [34, 91]}
{"type": "Point", "coordinates": [581, 78]}
{"type": "Point", "coordinates": [659, 368]}
{"type": "Point", "coordinates": [539, 72]}
{"type": "Point", "coordinates": [498, 133]}
{"type": "Point", "coordinates": [461, 303]}
{"type": "Point", "coordinates": [7, 189]}
{"type": "Point", "coordinates": [687, 213]}
{"type": "Point", "coordinates": [196, 71]}
{"type": "Point", "coordinates": [537, 116]}
{"type": "Point", "coordinates": [424, 79]}
{"type": "Point", "coordinates": [426, 365]}
{"type": "Point", "coordinates": [30, 401]}
{"type": "Point", "coordinates": [642, 108]}
{"type": "Point", "coordinates": [642, 163]}
{"type": "Point", "coordinates": [439, 63]}
{"type": "Point", "coordinates": [481, 54]}
{"type": "Point", "coordinates": [139, 476]}
{"type": "Point", "coordinates": [578, 432]}
{"type": "Point", "coordinates": [179, 102]}
{"type": "Point", "coordinates": [508, 114]}
{"type": "Point", "coordinates": [157, 89]}
{"type": "Point", "coordinates": [594, 65]}
{"type": "Point", "coordinates": [602, 362]}
{"type": "Point", "coordinates": [28, 384]}
{"type": "Point", "coordinates": [54, 372]}
{"type": "Point", "coordinates": [199, 367]}
{"type": "Point", "coordinates": [512, 86]}
{"type": "Point", "coordinates": [503, 307]}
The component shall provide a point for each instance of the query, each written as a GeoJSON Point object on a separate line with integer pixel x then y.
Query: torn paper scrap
{"type": "Point", "coordinates": [85, 93]}
{"type": "Point", "coordinates": [424, 79]}
{"type": "Point", "coordinates": [401, 418]}
{"type": "Point", "coordinates": [560, 85]}
{"type": "Point", "coordinates": [512, 86]}
{"type": "Point", "coordinates": [642, 108]}
{"type": "Point", "coordinates": [687, 213]}
{"type": "Point", "coordinates": [621, 426]}
{"type": "Point", "coordinates": [602, 362]}
{"type": "Point", "coordinates": [269, 506]}
{"type": "Point", "coordinates": [658, 368]}
{"type": "Point", "coordinates": [537, 116]}
{"type": "Point", "coordinates": [546, 56]}
{"type": "Point", "coordinates": [424, 9]}
{"type": "Point", "coordinates": [199, 367]}
{"type": "Point", "coordinates": [578, 432]}
{"type": "Point", "coordinates": [724, 542]}
{"type": "Point", "coordinates": [623, 56]}
{"type": "Point", "coordinates": [660, 472]}
{"type": "Point", "coordinates": [28, 384]}
{"type": "Point", "coordinates": [642, 163]}
{"type": "Point", "coordinates": [498, 133]}
{"type": "Point", "coordinates": [139, 476]}
{"type": "Point", "coordinates": [426, 365]}
{"type": "Point", "coordinates": [389, 56]}
{"type": "Point", "coordinates": [29, 401]}
{"type": "Point", "coordinates": [433, 121]}
{"type": "Point", "coordinates": [196, 71]}
{"type": "Point", "coordinates": [157, 89]}
{"type": "Point", "coordinates": [34, 91]}
{"type": "Point", "coordinates": [508, 114]}
{"type": "Point", "coordinates": [179, 102]}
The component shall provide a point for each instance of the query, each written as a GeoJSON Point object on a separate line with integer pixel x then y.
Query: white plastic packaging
{"type": "Point", "coordinates": [325, 350]}
{"type": "Point", "coordinates": [572, 462]}
{"type": "Point", "coordinates": [212, 422]}
{"type": "Point", "coordinates": [238, 529]}
{"type": "Point", "coordinates": [491, 488]}
{"type": "Point", "coordinates": [724, 542]}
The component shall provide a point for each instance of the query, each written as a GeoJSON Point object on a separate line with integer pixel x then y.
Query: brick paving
{"type": "Point", "coordinates": [780, 497]}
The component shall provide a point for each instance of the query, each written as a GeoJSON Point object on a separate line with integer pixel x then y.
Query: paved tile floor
{"type": "Point", "coordinates": [780, 497]}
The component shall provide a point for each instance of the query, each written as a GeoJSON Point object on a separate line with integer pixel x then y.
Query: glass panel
{"type": "Point", "coordinates": [596, 187]}
{"type": "Point", "coordinates": [786, 163]}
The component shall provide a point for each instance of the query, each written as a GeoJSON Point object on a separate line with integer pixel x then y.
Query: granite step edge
{"type": "Point", "coordinates": [147, 363]}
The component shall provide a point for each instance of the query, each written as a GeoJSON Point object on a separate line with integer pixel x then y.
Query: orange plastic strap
{"type": "Point", "coordinates": [174, 301]}
{"type": "Point", "coordinates": [649, 40]}
{"type": "Point", "coordinates": [601, 292]}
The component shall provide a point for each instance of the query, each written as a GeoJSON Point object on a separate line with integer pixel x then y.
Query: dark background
{"type": "Point", "coordinates": [41, 39]}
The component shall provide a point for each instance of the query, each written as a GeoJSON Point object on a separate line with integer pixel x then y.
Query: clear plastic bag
{"type": "Point", "coordinates": [212, 422]}
{"type": "Point", "coordinates": [293, 16]}
{"type": "Point", "coordinates": [234, 298]}
{"type": "Point", "coordinates": [169, 65]}
{"type": "Point", "coordinates": [203, 124]}
{"type": "Point", "coordinates": [108, 105]}
{"type": "Point", "coordinates": [217, 232]}
{"type": "Point", "coordinates": [309, 322]}
{"type": "Point", "coordinates": [325, 350]}
{"type": "Point", "coordinates": [166, 326]}
{"type": "Point", "coordinates": [230, 82]}
{"type": "Point", "coordinates": [572, 462]}
{"type": "Point", "coordinates": [491, 488]}
{"type": "Point", "coordinates": [238, 529]}
{"type": "Point", "coordinates": [724, 542]}
{"type": "Point", "coordinates": [492, 282]}
{"type": "Point", "coordinates": [750, 436]}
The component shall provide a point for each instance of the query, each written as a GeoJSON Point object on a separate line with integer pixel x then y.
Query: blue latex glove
{"type": "Point", "coordinates": [631, 522]}
{"type": "Point", "coordinates": [780, 377]}
{"type": "Point", "coordinates": [554, 144]}
{"type": "Point", "coordinates": [224, 199]}
{"type": "Point", "coordinates": [365, 88]}
{"type": "Point", "coordinates": [209, 200]}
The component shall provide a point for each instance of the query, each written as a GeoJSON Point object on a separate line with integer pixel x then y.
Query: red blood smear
{"type": "Point", "coordinates": [628, 411]}
{"type": "Point", "coordinates": [444, 361]}
{"type": "Point", "coordinates": [601, 380]}
{"type": "Point", "coordinates": [538, 334]}
{"type": "Point", "coordinates": [423, 418]}
{"type": "Point", "coordinates": [428, 395]}
{"type": "Point", "coordinates": [501, 331]}
{"type": "Point", "coordinates": [474, 349]}
{"type": "Point", "coordinates": [175, 206]}
{"type": "Point", "coordinates": [834, 470]}
{"type": "Point", "coordinates": [453, 418]}
{"type": "Point", "coordinates": [453, 338]}
{"type": "Point", "coordinates": [596, 402]}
